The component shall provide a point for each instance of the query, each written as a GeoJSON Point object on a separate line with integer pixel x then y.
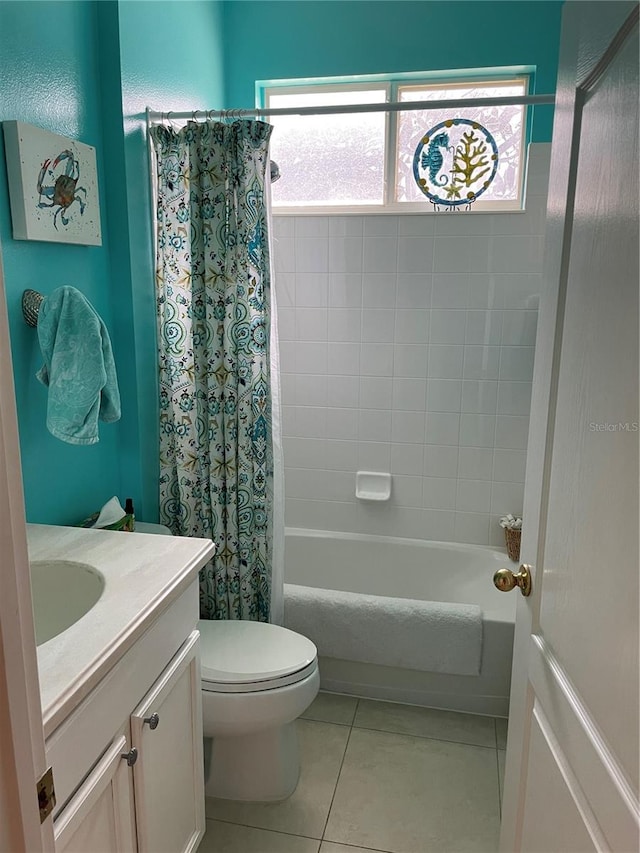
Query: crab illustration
{"type": "Point", "coordinates": [58, 186]}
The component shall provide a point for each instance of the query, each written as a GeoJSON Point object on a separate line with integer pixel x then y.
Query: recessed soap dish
{"type": "Point", "coordinates": [373, 486]}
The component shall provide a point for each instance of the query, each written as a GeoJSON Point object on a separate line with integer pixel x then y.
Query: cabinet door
{"type": "Point", "coordinates": [99, 817]}
{"type": "Point", "coordinates": [169, 774]}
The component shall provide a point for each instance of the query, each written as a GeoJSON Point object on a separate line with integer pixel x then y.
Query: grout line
{"type": "Point", "coordinates": [499, 785]}
{"type": "Point", "coordinates": [423, 737]}
{"type": "Point", "coordinates": [333, 796]}
{"type": "Point", "coordinates": [261, 828]}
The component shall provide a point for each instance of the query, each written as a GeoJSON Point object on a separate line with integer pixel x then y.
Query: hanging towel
{"type": "Point", "coordinates": [78, 369]}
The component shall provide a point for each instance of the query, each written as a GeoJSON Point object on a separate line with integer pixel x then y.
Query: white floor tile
{"type": "Point", "coordinates": [425, 722]}
{"type": "Point", "coordinates": [332, 847]}
{"type": "Point", "coordinates": [223, 837]}
{"type": "Point", "coordinates": [322, 747]}
{"type": "Point", "coordinates": [406, 794]}
{"type": "Point", "coordinates": [332, 708]}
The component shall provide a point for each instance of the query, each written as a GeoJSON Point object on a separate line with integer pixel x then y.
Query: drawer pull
{"type": "Point", "coordinates": [153, 721]}
{"type": "Point", "coordinates": [131, 757]}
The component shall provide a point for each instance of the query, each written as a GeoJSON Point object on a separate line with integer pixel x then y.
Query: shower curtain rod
{"type": "Point", "coordinates": [154, 117]}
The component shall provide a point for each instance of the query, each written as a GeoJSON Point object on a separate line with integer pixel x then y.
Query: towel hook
{"type": "Point", "coordinates": [31, 302]}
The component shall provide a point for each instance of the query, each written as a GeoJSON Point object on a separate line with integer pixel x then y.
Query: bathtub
{"type": "Point", "coordinates": [413, 569]}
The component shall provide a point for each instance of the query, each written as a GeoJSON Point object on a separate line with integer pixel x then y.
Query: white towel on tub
{"type": "Point", "coordinates": [431, 636]}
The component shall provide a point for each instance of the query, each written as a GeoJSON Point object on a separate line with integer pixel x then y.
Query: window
{"type": "Point", "coordinates": [375, 162]}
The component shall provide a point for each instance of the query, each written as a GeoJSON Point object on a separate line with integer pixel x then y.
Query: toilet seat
{"type": "Point", "coordinates": [243, 657]}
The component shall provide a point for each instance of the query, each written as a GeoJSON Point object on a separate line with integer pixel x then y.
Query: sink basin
{"type": "Point", "coordinates": [62, 592]}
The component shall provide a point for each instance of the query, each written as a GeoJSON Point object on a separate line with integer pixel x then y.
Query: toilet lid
{"type": "Point", "coordinates": [239, 652]}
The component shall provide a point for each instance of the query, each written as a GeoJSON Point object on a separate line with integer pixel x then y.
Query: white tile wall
{"type": "Point", "coordinates": [407, 345]}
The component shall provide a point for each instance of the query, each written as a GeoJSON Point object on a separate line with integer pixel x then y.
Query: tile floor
{"type": "Point", "coordinates": [377, 776]}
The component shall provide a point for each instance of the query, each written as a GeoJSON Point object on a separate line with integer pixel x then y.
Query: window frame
{"type": "Point", "coordinates": [393, 85]}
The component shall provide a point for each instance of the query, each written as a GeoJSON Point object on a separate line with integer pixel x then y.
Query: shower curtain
{"type": "Point", "coordinates": [218, 361]}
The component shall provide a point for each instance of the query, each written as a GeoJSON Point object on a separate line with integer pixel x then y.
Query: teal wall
{"type": "Point", "coordinates": [46, 83]}
{"type": "Point", "coordinates": [277, 39]}
{"type": "Point", "coordinates": [88, 70]}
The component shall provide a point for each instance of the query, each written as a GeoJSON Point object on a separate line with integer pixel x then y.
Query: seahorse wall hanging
{"type": "Point", "coordinates": [454, 163]}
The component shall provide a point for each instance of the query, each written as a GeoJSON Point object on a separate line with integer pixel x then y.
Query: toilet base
{"type": "Point", "coordinates": [259, 767]}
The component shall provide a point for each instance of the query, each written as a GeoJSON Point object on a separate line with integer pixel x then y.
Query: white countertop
{"type": "Point", "coordinates": [143, 574]}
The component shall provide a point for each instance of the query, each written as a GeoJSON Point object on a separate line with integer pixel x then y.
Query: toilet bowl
{"type": "Point", "coordinates": [257, 679]}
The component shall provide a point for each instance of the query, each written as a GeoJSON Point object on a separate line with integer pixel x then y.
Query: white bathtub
{"type": "Point", "coordinates": [414, 569]}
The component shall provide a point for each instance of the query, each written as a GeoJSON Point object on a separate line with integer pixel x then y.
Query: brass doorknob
{"type": "Point", "coordinates": [505, 580]}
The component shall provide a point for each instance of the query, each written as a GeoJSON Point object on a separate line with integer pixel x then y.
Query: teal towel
{"type": "Point", "coordinates": [78, 369]}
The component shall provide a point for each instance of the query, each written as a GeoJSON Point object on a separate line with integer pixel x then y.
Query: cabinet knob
{"type": "Point", "coordinates": [153, 721]}
{"type": "Point", "coordinates": [130, 757]}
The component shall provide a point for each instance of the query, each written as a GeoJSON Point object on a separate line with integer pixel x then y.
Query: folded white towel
{"type": "Point", "coordinates": [431, 636]}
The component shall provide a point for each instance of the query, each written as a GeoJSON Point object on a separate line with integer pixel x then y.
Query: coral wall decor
{"type": "Point", "coordinates": [455, 162]}
{"type": "Point", "coordinates": [53, 186]}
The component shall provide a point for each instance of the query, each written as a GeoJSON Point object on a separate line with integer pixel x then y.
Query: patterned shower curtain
{"type": "Point", "coordinates": [213, 293]}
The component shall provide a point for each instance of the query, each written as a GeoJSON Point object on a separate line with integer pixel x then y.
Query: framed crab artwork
{"type": "Point", "coordinates": [53, 186]}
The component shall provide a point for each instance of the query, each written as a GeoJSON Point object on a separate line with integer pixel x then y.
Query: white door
{"type": "Point", "coordinates": [22, 755]}
{"type": "Point", "coordinates": [572, 756]}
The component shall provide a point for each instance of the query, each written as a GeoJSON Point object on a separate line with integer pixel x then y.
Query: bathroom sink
{"type": "Point", "coordinates": [62, 592]}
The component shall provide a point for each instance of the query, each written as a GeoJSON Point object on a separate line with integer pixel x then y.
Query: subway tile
{"type": "Point", "coordinates": [312, 290]}
{"type": "Point", "coordinates": [514, 398]}
{"type": "Point", "coordinates": [342, 424]}
{"type": "Point", "coordinates": [442, 428]}
{"type": "Point", "coordinates": [381, 226]}
{"type": "Point", "coordinates": [472, 528]}
{"type": "Point", "coordinates": [311, 324]}
{"type": "Point", "coordinates": [407, 491]}
{"type": "Point", "coordinates": [345, 290]}
{"type": "Point", "coordinates": [445, 361]}
{"type": "Point", "coordinates": [413, 291]}
{"type": "Point", "coordinates": [444, 395]}
{"type": "Point", "coordinates": [415, 254]}
{"type": "Point", "coordinates": [406, 458]}
{"type": "Point", "coordinates": [346, 226]}
{"type": "Point", "coordinates": [519, 328]}
{"type": "Point", "coordinates": [440, 460]}
{"type": "Point", "coordinates": [341, 455]}
{"type": "Point", "coordinates": [379, 290]}
{"type": "Point", "coordinates": [509, 465]}
{"type": "Point", "coordinates": [344, 359]}
{"type": "Point", "coordinates": [312, 254]}
{"type": "Point", "coordinates": [374, 456]}
{"type": "Point", "coordinates": [475, 463]}
{"type": "Point", "coordinates": [411, 326]}
{"type": "Point", "coordinates": [376, 359]}
{"type": "Point", "coordinates": [374, 425]}
{"type": "Point", "coordinates": [516, 363]}
{"type": "Point", "coordinates": [344, 325]}
{"type": "Point", "coordinates": [345, 254]}
{"type": "Point", "coordinates": [447, 326]}
{"type": "Point", "coordinates": [410, 360]}
{"type": "Point", "coordinates": [450, 290]}
{"type": "Point", "coordinates": [380, 254]}
{"type": "Point", "coordinates": [311, 390]}
{"type": "Point", "coordinates": [416, 225]}
{"type": "Point", "coordinates": [481, 362]}
{"type": "Point", "coordinates": [512, 432]}
{"type": "Point", "coordinates": [409, 394]}
{"type": "Point", "coordinates": [438, 493]}
{"type": "Point", "coordinates": [483, 328]}
{"type": "Point", "coordinates": [407, 427]}
{"type": "Point", "coordinates": [479, 396]}
{"type": "Point", "coordinates": [311, 226]}
{"type": "Point", "coordinates": [473, 495]}
{"type": "Point", "coordinates": [343, 391]}
{"type": "Point", "coordinates": [378, 325]}
{"type": "Point", "coordinates": [376, 392]}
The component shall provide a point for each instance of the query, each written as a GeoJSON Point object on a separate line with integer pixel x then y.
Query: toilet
{"type": "Point", "coordinates": [257, 679]}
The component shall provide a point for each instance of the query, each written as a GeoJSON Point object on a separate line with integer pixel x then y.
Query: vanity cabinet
{"type": "Point", "coordinates": [128, 763]}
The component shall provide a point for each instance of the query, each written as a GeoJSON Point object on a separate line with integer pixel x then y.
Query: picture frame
{"type": "Point", "coordinates": [53, 186]}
